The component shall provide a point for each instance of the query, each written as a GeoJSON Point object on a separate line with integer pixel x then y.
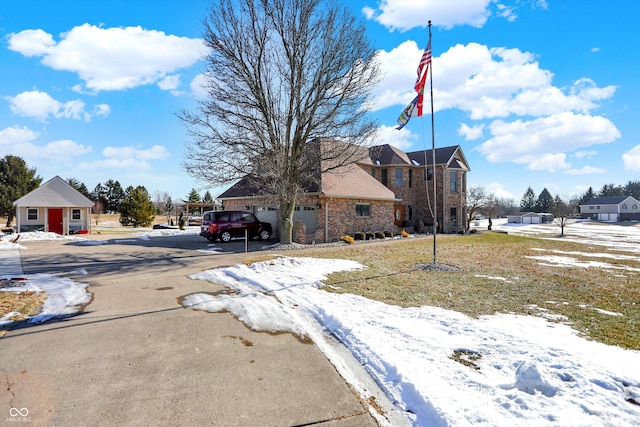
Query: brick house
{"type": "Point", "coordinates": [412, 183]}
{"type": "Point", "coordinates": [386, 190]}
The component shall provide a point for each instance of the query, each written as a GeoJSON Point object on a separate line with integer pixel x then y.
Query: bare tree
{"type": "Point", "coordinates": [97, 209]}
{"type": "Point", "coordinates": [163, 203]}
{"type": "Point", "coordinates": [478, 202]}
{"type": "Point", "coordinates": [563, 211]}
{"type": "Point", "coordinates": [279, 74]}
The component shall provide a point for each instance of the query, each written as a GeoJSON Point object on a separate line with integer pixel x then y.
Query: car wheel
{"type": "Point", "coordinates": [225, 236]}
{"type": "Point", "coordinates": [264, 235]}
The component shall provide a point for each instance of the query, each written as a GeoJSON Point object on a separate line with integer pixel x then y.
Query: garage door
{"type": "Point", "coordinates": [268, 214]}
{"type": "Point", "coordinates": [306, 214]}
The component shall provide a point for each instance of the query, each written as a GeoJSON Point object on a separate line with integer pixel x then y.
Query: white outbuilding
{"type": "Point", "coordinates": [55, 207]}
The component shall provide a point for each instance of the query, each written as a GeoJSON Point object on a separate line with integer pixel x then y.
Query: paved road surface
{"type": "Point", "coordinates": [136, 357]}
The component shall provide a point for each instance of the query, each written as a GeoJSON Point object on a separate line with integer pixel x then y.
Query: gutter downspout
{"type": "Point", "coordinates": [326, 220]}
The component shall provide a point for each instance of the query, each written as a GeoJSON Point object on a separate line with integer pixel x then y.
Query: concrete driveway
{"type": "Point", "coordinates": [136, 357]}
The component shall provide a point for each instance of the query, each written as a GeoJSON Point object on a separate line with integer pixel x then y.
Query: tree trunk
{"type": "Point", "coordinates": [286, 221]}
{"type": "Point", "coordinates": [9, 220]}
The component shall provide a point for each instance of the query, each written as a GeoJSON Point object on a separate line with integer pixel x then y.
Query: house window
{"type": "Point", "coordinates": [453, 214]}
{"type": "Point", "coordinates": [398, 177]}
{"type": "Point", "coordinates": [634, 207]}
{"type": "Point", "coordinates": [453, 181]}
{"type": "Point", "coordinates": [464, 182]}
{"type": "Point", "coordinates": [383, 176]}
{"type": "Point", "coordinates": [75, 214]}
{"type": "Point", "coordinates": [373, 172]}
{"type": "Point", "coordinates": [410, 178]}
{"type": "Point", "coordinates": [32, 214]}
{"type": "Point", "coordinates": [592, 208]}
{"type": "Point", "coordinates": [363, 210]}
{"type": "Point", "coordinates": [428, 174]}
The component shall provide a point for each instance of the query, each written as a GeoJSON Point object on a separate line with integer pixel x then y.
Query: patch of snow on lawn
{"type": "Point", "coordinates": [526, 370]}
{"type": "Point", "coordinates": [64, 296]}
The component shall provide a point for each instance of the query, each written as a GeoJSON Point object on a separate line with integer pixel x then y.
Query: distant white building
{"type": "Point", "coordinates": [529, 218]}
{"type": "Point", "coordinates": [622, 208]}
{"type": "Point", "coordinates": [56, 207]}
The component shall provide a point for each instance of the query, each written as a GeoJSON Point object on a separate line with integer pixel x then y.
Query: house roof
{"type": "Point", "coordinates": [607, 200]}
{"type": "Point", "coordinates": [54, 193]}
{"type": "Point", "coordinates": [352, 182]}
{"type": "Point", "coordinates": [361, 185]}
{"type": "Point", "coordinates": [388, 155]}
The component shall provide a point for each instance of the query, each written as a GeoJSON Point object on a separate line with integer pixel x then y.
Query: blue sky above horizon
{"type": "Point", "coordinates": [540, 94]}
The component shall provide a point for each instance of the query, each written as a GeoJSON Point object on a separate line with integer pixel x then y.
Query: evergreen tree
{"type": "Point", "coordinates": [588, 195]}
{"type": "Point", "coordinates": [632, 189]}
{"type": "Point", "coordinates": [611, 190]}
{"type": "Point", "coordinates": [114, 194]}
{"type": "Point", "coordinates": [207, 198]}
{"type": "Point", "coordinates": [75, 183]}
{"type": "Point", "coordinates": [136, 208]}
{"type": "Point", "coordinates": [528, 201]}
{"type": "Point", "coordinates": [16, 180]}
{"type": "Point", "coordinates": [544, 202]}
{"type": "Point", "coordinates": [193, 197]}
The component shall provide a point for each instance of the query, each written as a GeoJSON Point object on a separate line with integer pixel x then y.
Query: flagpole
{"type": "Point", "coordinates": [433, 158]}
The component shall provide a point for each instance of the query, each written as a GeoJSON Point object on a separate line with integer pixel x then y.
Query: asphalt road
{"type": "Point", "coordinates": [136, 357]}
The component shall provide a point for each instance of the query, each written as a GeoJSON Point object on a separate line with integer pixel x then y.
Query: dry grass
{"type": "Point", "coordinates": [496, 276]}
{"type": "Point", "coordinates": [25, 303]}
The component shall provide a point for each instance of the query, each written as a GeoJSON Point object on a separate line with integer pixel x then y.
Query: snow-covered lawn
{"type": "Point", "coordinates": [440, 367]}
{"type": "Point", "coordinates": [521, 370]}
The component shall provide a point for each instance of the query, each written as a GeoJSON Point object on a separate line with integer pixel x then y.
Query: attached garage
{"type": "Point", "coordinates": [304, 213]}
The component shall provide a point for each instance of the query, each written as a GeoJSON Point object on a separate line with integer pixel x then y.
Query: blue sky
{"type": "Point", "coordinates": [540, 94]}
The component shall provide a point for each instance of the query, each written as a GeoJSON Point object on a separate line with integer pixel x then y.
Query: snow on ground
{"type": "Point", "coordinates": [527, 371]}
{"type": "Point", "coordinates": [613, 236]}
{"type": "Point", "coordinates": [520, 370]}
{"type": "Point", "coordinates": [65, 296]}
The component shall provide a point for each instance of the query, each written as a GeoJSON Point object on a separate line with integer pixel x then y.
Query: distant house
{"type": "Point", "coordinates": [622, 208]}
{"type": "Point", "coordinates": [386, 190]}
{"type": "Point", "coordinates": [529, 218]}
{"type": "Point", "coordinates": [56, 207]}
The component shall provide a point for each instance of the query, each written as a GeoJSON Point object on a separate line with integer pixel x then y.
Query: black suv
{"type": "Point", "coordinates": [225, 225]}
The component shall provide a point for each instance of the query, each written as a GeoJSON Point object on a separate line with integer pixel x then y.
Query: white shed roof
{"type": "Point", "coordinates": [54, 193]}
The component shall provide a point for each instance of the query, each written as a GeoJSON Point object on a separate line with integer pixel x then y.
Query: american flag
{"type": "Point", "coordinates": [423, 68]}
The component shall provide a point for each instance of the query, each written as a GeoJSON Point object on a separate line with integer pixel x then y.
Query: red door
{"type": "Point", "coordinates": [55, 220]}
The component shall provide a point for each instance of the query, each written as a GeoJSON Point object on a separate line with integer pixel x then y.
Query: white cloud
{"type": "Point", "coordinates": [538, 143]}
{"type": "Point", "coordinates": [499, 191]}
{"type": "Point", "coordinates": [470, 133]}
{"type": "Point", "coordinates": [111, 58]}
{"type": "Point", "coordinates": [22, 142]}
{"type": "Point", "coordinates": [402, 139]}
{"type": "Point", "coordinates": [584, 154]}
{"type": "Point", "coordinates": [199, 86]}
{"type": "Point", "coordinates": [170, 82]}
{"type": "Point", "coordinates": [41, 106]}
{"type": "Point", "coordinates": [586, 170]}
{"type": "Point", "coordinates": [631, 159]}
{"type": "Point", "coordinates": [133, 158]}
{"type": "Point", "coordinates": [404, 15]}
{"type": "Point", "coordinates": [63, 149]}
{"type": "Point", "coordinates": [17, 135]}
{"type": "Point", "coordinates": [484, 82]}
{"type": "Point", "coordinates": [31, 42]}
{"type": "Point", "coordinates": [399, 69]}
{"type": "Point", "coordinates": [551, 162]}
